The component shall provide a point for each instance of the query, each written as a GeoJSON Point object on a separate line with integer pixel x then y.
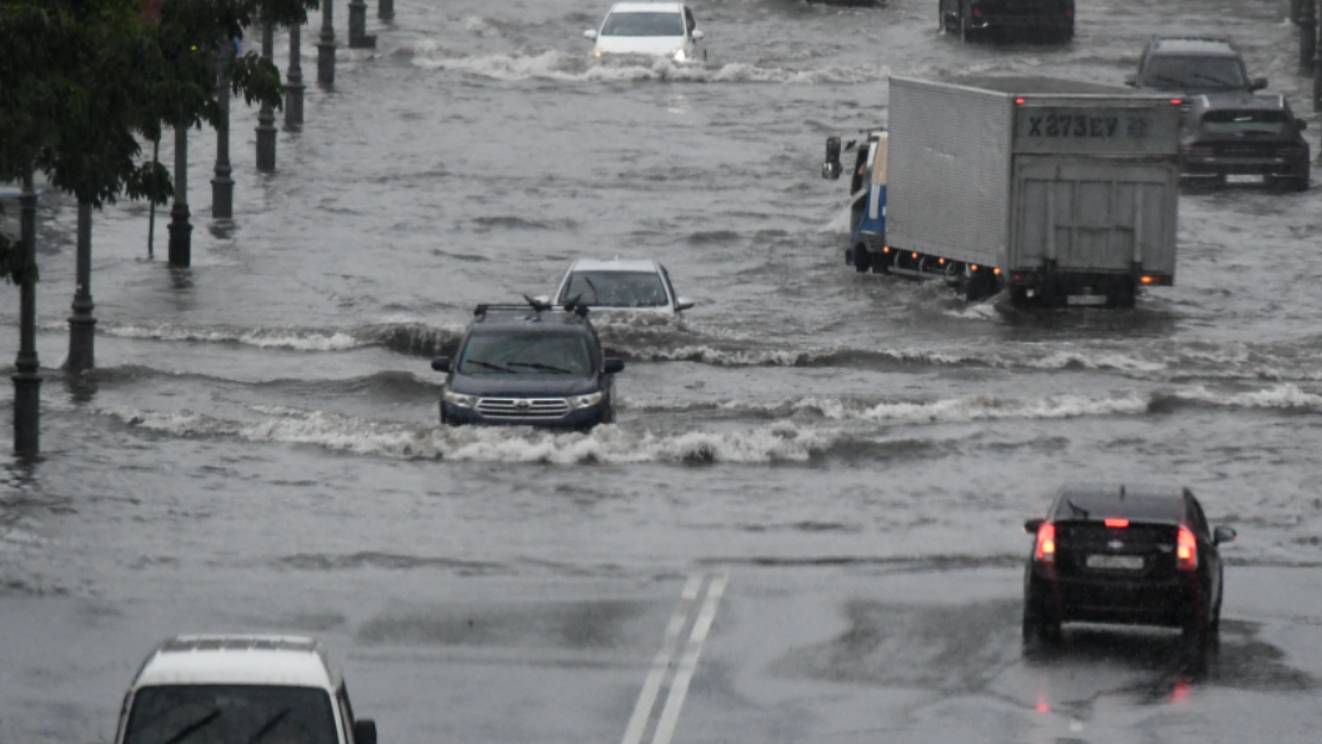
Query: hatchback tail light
{"type": "Point", "coordinates": [1186, 550]}
{"type": "Point", "coordinates": [1045, 549]}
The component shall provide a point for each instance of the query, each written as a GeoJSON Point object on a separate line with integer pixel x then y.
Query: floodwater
{"type": "Point", "coordinates": [259, 449]}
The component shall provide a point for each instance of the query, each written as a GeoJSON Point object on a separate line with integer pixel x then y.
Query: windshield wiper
{"type": "Point", "coordinates": [270, 724]}
{"type": "Point", "coordinates": [489, 365]}
{"type": "Point", "coordinates": [544, 367]}
{"type": "Point", "coordinates": [595, 298]}
{"type": "Point", "coordinates": [1164, 79]}
{"type": "Point", "coordinates": [194, 727]}
{"type": "Point", "coordinates": [1214, 80]}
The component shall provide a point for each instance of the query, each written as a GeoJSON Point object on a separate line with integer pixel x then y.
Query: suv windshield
{"type": "Point", "coordinates": [1243, 122]}
{"type": "Point", "coordinates": [648, 23]}
{"type": "Point", "coordinates": [514, 352]}
{"type": "Point", "coordinates": [231, 714]}
{"type": "Point", "coordinates": [1194, 73]}
{"type": "Point", "coordinates": [616, 289]}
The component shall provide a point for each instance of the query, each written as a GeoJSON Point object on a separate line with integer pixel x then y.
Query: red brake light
{"type": "Point", "coordinates": [1019, 100]}
{"type": "Point", "coordinates": [1116, 522]}
{"type": "Point", "coordinates": [1186, 550]}
{"type": "Point", "coordinates": [1177, 101]}
{"type": "Point", "coordinates": [1045, 549]}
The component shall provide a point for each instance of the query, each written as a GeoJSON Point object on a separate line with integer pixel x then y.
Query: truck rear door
{"type": "Point", "coordinates": [1091, 214]}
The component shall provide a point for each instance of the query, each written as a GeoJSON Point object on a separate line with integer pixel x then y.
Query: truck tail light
{"type": "Point", "coordinates": [1044, 551]}
{"type": "Point", "coordinates": [1186, 550]}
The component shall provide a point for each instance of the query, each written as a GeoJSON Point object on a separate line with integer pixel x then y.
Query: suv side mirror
{"type": "Point", "coordinates": [683, 303]}
{"type": "Point", "coordinates": [1031, 525]}
{"type": "Point", "coordinates": [697, 34]}
{"type": "Point", "coordinates": [364, 731]}
{"type": "Point", "coordinates": [612, 365]}
{"type": "Point", "coordinates": [1258, 83]}
{"type": "Point", "coordinates": [1223, 535]}
{"type": "Point", "coordinates": [441, 364]}
{"type": "Point", "coordinates": [1131, 80]}
{"type": "Point", "coordinates": [590, 34]}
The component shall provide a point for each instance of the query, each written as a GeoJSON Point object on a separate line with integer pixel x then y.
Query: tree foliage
{"type": "Point", "coordinates": [83, 83]}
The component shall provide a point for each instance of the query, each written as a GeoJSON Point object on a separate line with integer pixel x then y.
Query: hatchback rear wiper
{"type": "Point", "coordinates": [1078, 511]}
{"type": "Point", "coordinates": [546, 367]}
{"type": "Point", "coordinates": [489, 365]}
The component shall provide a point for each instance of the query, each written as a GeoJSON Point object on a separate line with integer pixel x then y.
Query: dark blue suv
{"type": "Point", "coordinates": [531, 365]}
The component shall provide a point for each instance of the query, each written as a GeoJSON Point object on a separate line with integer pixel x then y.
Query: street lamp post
{"type": "Point", "coordinates": [27, 377]}
{"type": "Point", "coordinates": [326, 46]}
{"type": "Point", "coordinates": [1317, 66]}
{"type": "Point", "coordinates": [82, 326]}
{"type": "Point", "coordinates": [358, 38]}
{"type": "Point", "coordinates": [181, 231]}
{"type": "Point", "coordinates": [294, 81]}
{"type": "Point", "coordinates": [1307, 37]}
{"type": "Point", "coordinates": [385, 9]}
{"type": "Point", "coordinates": [222, 184]}
{"type": "Point", "coordinates": [266, 117]}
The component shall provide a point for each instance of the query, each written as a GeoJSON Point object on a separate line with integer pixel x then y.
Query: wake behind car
{"type": "Point", "coordinates": [532, 365]}
{"type": "Point", "coordinates": [1245, 138]}
{"type": "Point", "coordinates": [633, 286]}
{"type": "Point", "coordinates": [1120, 554]}
{"type": "Point", "coordinates": [239, 689]}
{"type": "Point", "coordinates": [647, 29]}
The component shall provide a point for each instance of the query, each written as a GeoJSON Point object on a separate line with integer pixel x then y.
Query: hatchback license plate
{"type": "Point", "coordinates": [1123, 562]}
{"type": "Point", "coordinates": [1088, 299]}
{"type": "Point", "coordinates": [1243, 178]}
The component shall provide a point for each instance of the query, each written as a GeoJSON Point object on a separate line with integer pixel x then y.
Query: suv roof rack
{"type": "Point", "coordinates": [537, 306]}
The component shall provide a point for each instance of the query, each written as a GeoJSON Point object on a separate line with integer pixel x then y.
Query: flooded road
{"type": "Point", "coordinates": [259, 450]}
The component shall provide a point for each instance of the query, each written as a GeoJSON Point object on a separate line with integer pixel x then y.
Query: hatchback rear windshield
{"type": "Point", "coordinates": [231, 714]}
{"type": "Point", "coordinates": [1245, 122]}
{"type": "Point", "coordinates": [1098, 505]}
{"type": "Point", "coordinates": [520, 352]}
{"type": "Point", "coordinates": [1194, 73]}
{"type": "Point", "coordinates": [616, 289]}
{"type": "Point", "coordinates": [643, 23]}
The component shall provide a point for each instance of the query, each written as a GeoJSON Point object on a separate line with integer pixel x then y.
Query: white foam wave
{"type": "Point", "coordinates": [556, 65]}
{"type": "Point", "coordinates": [950, 410]}
{"type": "Point", "coordinates": [265, 338]}
{"type": "Point", "coordinates": [1284, 396]}
{"type": "Point", "coordinates": [782, 441]}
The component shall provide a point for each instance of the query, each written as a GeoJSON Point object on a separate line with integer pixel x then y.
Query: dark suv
{"type": "Point", "coordinates": [1118, 554]}
{"type": "Point", "coordinates": [1187, 65]}
{"type": "Point", "coordinates": [970, 17]}
{"type": "Point", "coordinates": [1241, 137]}
{"type": "Point", "coordinates": [532, 365]}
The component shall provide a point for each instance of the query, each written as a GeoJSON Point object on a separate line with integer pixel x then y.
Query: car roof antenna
{"type": "Point", "coordinates": [1122, 491]}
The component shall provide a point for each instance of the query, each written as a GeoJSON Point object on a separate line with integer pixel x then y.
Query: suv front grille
{"type": "Point", "coordinates": [523, 408]}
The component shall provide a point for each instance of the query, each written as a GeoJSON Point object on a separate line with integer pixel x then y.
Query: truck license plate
{"type": "Point", "coordinates": [1122, 562]}
{"type": "Point", "coordinates": [1088, 299]}
{"type": "Point", "coordinates": [1243, 178]}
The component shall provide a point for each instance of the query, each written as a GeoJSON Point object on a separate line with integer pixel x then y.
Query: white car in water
{"type": "Point", "coordinates": [640, 286]}
{"type": "Point", "coordinates": [651, 29]}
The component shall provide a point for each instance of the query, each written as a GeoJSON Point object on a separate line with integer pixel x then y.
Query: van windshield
{"type": "Point", "coordinates": [515, 352]}
{"type": "Point", "coordinates": [1194, 73]}
{"type": "Point", "coordinates": [231, 714]}
{"type": "Point", "coordinates": [648, 23]}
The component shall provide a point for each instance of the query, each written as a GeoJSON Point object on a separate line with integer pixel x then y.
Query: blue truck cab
{"type": "Point", "coordinates": [867, 197]}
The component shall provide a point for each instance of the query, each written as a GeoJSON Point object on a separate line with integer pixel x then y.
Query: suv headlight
{"type": "Point", "coordinates": [459, 399]}
{"type": "Point", "coordinates": [586, 401]}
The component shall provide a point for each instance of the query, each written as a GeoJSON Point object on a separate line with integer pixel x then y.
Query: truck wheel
{"type": "Point", "coordinates": [979, 286]}
{"type": "Point", "coordinates": [1121, 295]}
{"type": "Point", "coordinates": [862, 261]}
{"type": "Point", "coordinates": [1019, 298]}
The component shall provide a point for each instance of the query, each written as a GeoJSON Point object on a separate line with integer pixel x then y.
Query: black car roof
{"type": "Point", "coordinates": [1095, 501]}
{"type": "Point", "coordinates": [1201, 46]}
{"type": "Point", "coordinates": [1240, 100]}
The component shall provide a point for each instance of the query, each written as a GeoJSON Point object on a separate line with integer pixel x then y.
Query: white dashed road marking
{"type": "Point", "coordinates": [669, 663]}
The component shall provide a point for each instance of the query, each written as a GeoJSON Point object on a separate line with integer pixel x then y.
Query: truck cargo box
{"type": "Point", "coordinates": [1049, 181]}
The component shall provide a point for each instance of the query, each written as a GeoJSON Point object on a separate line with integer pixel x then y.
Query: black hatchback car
{"type": "Point", "coordinates": [1126, 555]}
{"type": "Point", "coordinates": [529, 365]}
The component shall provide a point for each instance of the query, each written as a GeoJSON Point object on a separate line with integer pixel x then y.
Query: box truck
{"type": "Point", "coordinates": [1060, 192]}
